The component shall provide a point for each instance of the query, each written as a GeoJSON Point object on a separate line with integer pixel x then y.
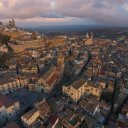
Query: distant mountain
{"type": "Point", "coordinates": [63, 29]}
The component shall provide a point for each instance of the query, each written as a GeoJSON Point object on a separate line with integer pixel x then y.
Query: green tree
{"type": "Point", "coordinates": [5, 39]}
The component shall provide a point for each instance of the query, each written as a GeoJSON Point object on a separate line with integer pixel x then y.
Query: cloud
{"type": "Point", "coordinates": [126, 7]}
{"type": "Point", "coordinates": [109, 12]}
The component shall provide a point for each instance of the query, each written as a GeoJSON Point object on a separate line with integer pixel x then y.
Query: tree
{"type": "Point", "coordinates": [5, 39]}
{"type": "Point", "coordinates": [3, 60]}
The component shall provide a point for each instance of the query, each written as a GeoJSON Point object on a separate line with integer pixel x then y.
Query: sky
{"type": "Point", "coordinates": [65, 12]}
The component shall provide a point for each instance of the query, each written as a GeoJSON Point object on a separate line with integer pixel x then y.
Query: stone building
{"type": "Point", "coordinates": [89, 39]}
{"type": "Point", "coordinates": [9, 109]}
{"type": "Point", "coordinates": [80, 87]}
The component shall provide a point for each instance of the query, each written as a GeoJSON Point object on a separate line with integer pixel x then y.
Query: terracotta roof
{"type": "Point", "coordinates": [44, 108]}
{"type": "Point", "coordinates": [48, 73]}
{"type": "Point", "coordinates": [4, 100]}
{"type": "Point", "coordinates": [53, 78]}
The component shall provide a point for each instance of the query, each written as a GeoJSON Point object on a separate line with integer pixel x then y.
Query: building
{"type": "Point", "coordinates": [44, 109]}
{"type": "Point", "coordinates": [9, 84]}
{"type": "Point", "coordinates": [55, 42]}
{"type": "Point", "coordinates": [89, 39]}
{"type": "Point", "coordinates": [60, 61]}
{"type": "Point", "coordinates": [41, 111]}
{"type": "Point", "coordinates": [30, 117]}
{"type": "Point", "coordinates": [80, 87]}
{"type": "Point", "coordinates": [3, 49]}
{"type": "Point", "coordinates": [50, 79]}
{"type": "Point", "coordinates": [11, 24]}
{"type": "Point", "coordinates": [11, 125]}
{"type": "Point", "coordinates": [76, 89]}
{"type": "Point", "coordinates": [9, 109]}
{"type": "Point", "coordinates": [34, 53]}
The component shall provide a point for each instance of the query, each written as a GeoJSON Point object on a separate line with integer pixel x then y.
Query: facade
{"type": "Point", "coordinates": [60, 61]}
{"type": "Point", "coordinates": [41, 111]}
{"type": "Point", "coordinates": [29, 70]}
{"type": "Point", "coordinates": [9, 109]}
{"type": "Point", "coordinates": [55, 42]}
{"type": "Point", "coordinates": [89, 39]}
{"type": "Point", "coordinates": [30, 117]}
{"type": "Point", "coordinates": [80, 87]}
{"type": "Point", "coordinates": [12, 85]}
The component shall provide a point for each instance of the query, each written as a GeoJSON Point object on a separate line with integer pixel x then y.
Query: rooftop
{"type": "Point", "coordinates": [30, 113]}
{"type": "Point", "coordinates": [6, 101]}
{"type": "Point", "coordinates": [77, 84]}
{"type": "Point", "coordinates": [11, 125]}
{"type": "Point", "coordinates": [43, 107]}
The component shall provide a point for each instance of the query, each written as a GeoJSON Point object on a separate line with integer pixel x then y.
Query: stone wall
{"type": "Point", "coordinates": [22, 45]}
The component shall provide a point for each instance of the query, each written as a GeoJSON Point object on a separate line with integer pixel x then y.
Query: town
{"type": "Point", "coordinates": [65, 81]}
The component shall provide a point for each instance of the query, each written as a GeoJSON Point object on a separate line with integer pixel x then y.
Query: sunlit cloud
{"type": "Point", "coordinates": [108, 12]}
{"type": "Point", "coordinates": [126, 7]}
{"type": "Point", "coordinates": [53, 4]}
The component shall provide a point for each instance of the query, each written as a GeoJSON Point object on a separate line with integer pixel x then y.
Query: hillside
{"type": "Point", "coordinates": [13, 34]}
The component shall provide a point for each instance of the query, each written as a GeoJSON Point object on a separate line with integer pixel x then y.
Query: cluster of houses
{"type": "Point", "coordinates": [86, 101]}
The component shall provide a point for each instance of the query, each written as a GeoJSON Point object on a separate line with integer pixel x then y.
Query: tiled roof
{"type": "Point", "coordinates": [77, 84]}
{"type": "Point", "coordinates": [4, 100]}
{"type": "Point", "coordinates": [44, 108]}
{"type": "Point", "coordinates": [30, 113]}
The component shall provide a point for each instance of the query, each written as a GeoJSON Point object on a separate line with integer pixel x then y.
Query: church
{"type": "Point", "coordinates": [89, 39]}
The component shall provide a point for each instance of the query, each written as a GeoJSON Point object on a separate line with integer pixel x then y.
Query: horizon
{"type": "Point", "coordinates": [71, 28]}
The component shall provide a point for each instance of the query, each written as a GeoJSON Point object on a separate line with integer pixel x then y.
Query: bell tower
{"type": "Point", "coordinates": [89, 39]}
{"type": "Point", "coordinates": [92, 35]}
{"type": "Point", "coordinates": [60, 60]}
{"type": "Point", "coordinates": [87, 36]}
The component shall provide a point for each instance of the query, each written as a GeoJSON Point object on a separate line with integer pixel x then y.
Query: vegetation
{"type": "Point", "coordinates": [3, 60]}
{"type": "Point", "coordinates": [4, 39]}
{"type": "Point", "coordinates": [9, 48]}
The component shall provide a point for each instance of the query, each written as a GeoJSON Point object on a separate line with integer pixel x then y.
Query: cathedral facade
{"type": "Point", "coordinates": [89, 39]}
